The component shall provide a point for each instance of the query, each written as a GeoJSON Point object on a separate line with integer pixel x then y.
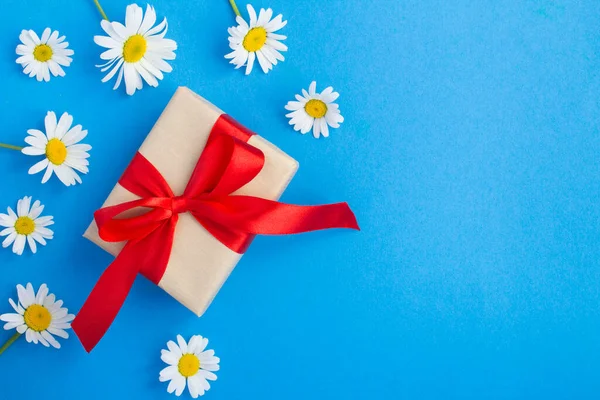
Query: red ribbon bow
{"type": "Point", "coordinates": [226, 164]}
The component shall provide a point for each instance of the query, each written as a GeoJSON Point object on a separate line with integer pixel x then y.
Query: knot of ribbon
{"type": "Point", "coordinates": [226, 165]}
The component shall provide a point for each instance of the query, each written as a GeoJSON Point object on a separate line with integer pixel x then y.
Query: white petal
{"type": "Point", "coordinates": [17, 307]}
{"type": "Point", "coordinates": [36, 142]}
{"type": "Point", "coordinates": [120, 31]}
{"type": "Point", "coordinates": [130, 76]}
{"type": "Point", "coordinates": [10, 317]}
{"type": "Point", "coordinates": [107, 42]}
{"type": "Point", "coordinates": [111, 54]}
{"type": "Point", "coordinates": [174, 348]}
{"type": "Point", "coordinates": [74, 135]}
{"type": "Point", "coordinates": [38, 135]}
{"type": "Point", "coordinates": [9, 240]}
{"type": "Point", "coordinates": [201, 345]}
{"type": "Point", "coordinates": [262, 61]}
{"type": "Point", "coordinates": [133, 18]}
{"type": "Point", "coordinates": [159, 29]}
{"type": "Point", "coordinates": [206, 355]}
{"type": "Point", "coordinates": [33, 151]}
{"type": "Point", "coordinates": [58, 332]}
{"type": "Point", "coordinates": [211, 366]}
{"type": "Point", "coordinates": [250, 63]}
{"type": "Point", "coordinates": [23, 206]}
{"type": "Point", "coordinates": [149, 78]}
{"type": "Point", "coordinates": [59, 314]}
{"type": "Point", "coordinates": [169, 373]}
{"type": "Point", "coordinates": [118, 66]}
{"type": "Point", "coordinates": [148, 21]}
{"type": "Point", "coordinates": [275, 24]}
{"type": "Point", "coordinates": [45, 232]}
{"type": "Point", "coordinates": [48, 173]}
{"type": "Point", "coordinates": [65, 174]}
{"type": "Point", "coordinates": [46, 35]}
{"type": "Point", "coordinates": [44, 221]}
{"type": "Point", "coordinates": [26, 39]}
{"type": "Point", "coordinates": [169, 357]}
{"type": "Point", "coordinates": [252, 15]}
{"type": "Point", "coordinates": [193, 342]}
{"type": "Point", "coordinates": [195, 386]}
{"type": "Point", "coordinates": [13, 325]}
{"type": "Point", "coordinates": [29, 336]}
{"type": "Point", "coordinates": [324, 128]}
{"type": "Point", "coordinates": [208, 375]}
{"type": "Point", "coordinates": [34, 37]}
{"type": "Point", "coordinates": [37, 336]}
{"type": "Point", "coordinates": [31, 244]}
{"type": "Point", "coordinates": [8, 220]}
{"type": "Point", "coordinates": [41, 294]}
{"type": "Point", "coordinates": [182, 344]}
{"type": "Point", "coordinates": [107, 27]}
{"type": "Point", "coordinates": [50, 339]}
{"type": "Point", "coordinates": [276, 44]}
{"type": "Point", "coordinates": [242, 22]}
{"type": "Point", "coordinates": [177, 385]}
{"type": "Point", "coordinates": [50, 123]}
{"type": "Point", "coordinates": [7, 231]}
{"type": "Point", "coordinates": [50, 299]}
{"type": "Point", "coordinates": [38, 167]}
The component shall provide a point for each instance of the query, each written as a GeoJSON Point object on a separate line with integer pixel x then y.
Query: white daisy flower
{"type": "Point", "coordinates": [316, 111]}
{"type": "Point", "coordinates": [41, 56]}
{"type": "Point", "coordinates": [189, 363]}
{"type": "Point", "coordinates": [26, 226]}
{"type": "Point", "coordinates": [64, 155]}
{"type": "Point", "coordinates": [39, 316]}
{"type": "Point", "coordinates": [257, 40]}
{"type": "Point", "coordinates": [136, 50]}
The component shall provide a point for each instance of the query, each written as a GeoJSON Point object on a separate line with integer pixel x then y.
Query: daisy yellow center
{"type": "Point", "coordinates": [134, 48]}
{"type": "Point", "coordinates": [189, 364]}
{"type": "Point", "coordinates": [24, 226]}
{"type": "Point", "coordinates": [255, 39]}
{"type": "Point", "coordinates": [56, 151]}
{"type": "Point", "coordinates": [316, 108]}
{"type": "Point", "coordinates": [42, 52]}
{"type": "Point", "coordinates": [37, 317]}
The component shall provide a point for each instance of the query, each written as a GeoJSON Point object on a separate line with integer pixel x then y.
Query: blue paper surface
{"type": "Point", "coordinates": [469, 154]}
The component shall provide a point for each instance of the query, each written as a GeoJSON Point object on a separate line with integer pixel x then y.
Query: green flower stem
{"type": "Point", "coordinates": [9, 342]}
{"type": "Point", "coordinates": [235, 9]}
{"type": "Point", "coordinates": [10, 146]}
{"type": "Point", "coordinates": [99, 7]}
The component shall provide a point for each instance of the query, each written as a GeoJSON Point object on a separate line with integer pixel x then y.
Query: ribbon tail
{"type": "Point", "coordinates": [253, 215]}
{"type": "Point", "coordinates": [106, 299]}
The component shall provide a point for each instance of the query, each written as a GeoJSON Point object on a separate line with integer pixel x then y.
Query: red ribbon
{"type": "Point", "coordinates": [226, 164]}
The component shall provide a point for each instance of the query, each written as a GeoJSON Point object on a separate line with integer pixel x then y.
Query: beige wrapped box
{"type": "Point", "coordinates": [199, 263]}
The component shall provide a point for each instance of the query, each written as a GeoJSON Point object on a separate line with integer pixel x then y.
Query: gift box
{"type": "Point", "coordinates": [199, 263]}
{"type": "Point", "coordinates": [187, 207]}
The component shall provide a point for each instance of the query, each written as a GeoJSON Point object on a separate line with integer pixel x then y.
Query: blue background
{"type": "Point", "coordinates": [469, 153]}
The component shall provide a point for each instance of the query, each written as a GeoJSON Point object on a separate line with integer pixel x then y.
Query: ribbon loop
{"type": "Point", "coordinates": [226, 165]}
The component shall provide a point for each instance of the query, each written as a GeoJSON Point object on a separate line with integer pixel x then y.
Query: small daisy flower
{"type": "Point", "coordinates": [39, 316]}
{"type": "Point", "coordinates": [64, 155]}
{"type": "Point", "coordinates": [43, 56]}
{"type": "Point", "coordinates": [136, 50]}
{"type": "Point", "coordinates": [25, 226]}
{"type": "Point", "coordinates": [257, 40]}
{"type": "Point", "coordinates": [189, 363]}
{"type": "Point", "coordinates": [316, 111]}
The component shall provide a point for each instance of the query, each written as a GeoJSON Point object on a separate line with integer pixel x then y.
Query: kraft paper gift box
{"type": "Point", "coordinates": [199, 264]}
